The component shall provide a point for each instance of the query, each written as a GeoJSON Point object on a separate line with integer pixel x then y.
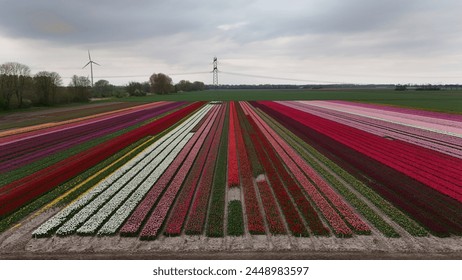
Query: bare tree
{"type": "Point", "coordinates": [80, 81]}
{"type": "Point", "coordinates": [46, 85]}
{"type": "Point", "coordinates": [14, 77]}
{"type": "Point", "coordinates": [81, 88]}
{"type": "Point", "coordinates": [161, 83]}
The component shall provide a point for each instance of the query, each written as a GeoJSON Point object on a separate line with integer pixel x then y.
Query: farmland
{"type": "Point", "coordinates": [330, 177]}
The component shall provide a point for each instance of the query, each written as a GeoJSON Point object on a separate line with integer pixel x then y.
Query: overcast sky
{"type": "Point", "coordinates": [311, 41]}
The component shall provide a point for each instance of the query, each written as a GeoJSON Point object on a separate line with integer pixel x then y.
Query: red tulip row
{"type": "Point", "coordinates": [272, 214]}
{"type": "Point", "coordinates": [134, 223]}
{"type": "Point", "coordinates": [254, 218]}
{"type": "Point", "coordinates": [293, 219]}
{"type": "Point", "coordinates": [434, 169]}
{"type": "Point", "coordinates": [233, 168]}
{"type": "Point", "coordinates": [437, 212]}
{"type": "Point", "coordinates": [273, 217]}
{"type": "Point", "coordinates": [337, 202]}
{"type": "Point", "coordinates": [286, 153]}
{"type": "Point", "coordinates": [30, 187]}
{"type": "Point", "coordinates": [304, 206]}
{"type": "Point", "coordinates": [199, 179]}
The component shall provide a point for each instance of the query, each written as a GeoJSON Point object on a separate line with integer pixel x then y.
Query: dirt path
{"type": "Point", "coordinates": [17, 243]}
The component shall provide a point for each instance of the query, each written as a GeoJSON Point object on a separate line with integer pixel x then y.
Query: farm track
{"type": "Point", "coordinates": [229, 179]}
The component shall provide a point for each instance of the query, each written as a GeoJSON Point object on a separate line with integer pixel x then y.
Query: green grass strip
{"type": "Point", "coordinates": [308, 152]}
{"type": "Point", "coordinates": [235, 218]}
{"type": "Point", "coordinates": [215, 224]}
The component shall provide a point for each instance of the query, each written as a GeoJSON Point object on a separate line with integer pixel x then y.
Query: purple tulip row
{"type": "Point", "coordinates": [24, 151]}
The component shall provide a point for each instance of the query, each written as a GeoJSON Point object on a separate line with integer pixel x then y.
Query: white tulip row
{"type": "Point", "coordinates": [122, 213]}
{"type": "Point", "coordinates": [133, 177]}
{"type": "Point", "coordinates": [92, 224]}
{"type": "Point", "coordinates": [115, 180]}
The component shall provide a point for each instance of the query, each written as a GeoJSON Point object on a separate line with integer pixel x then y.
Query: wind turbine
{"type": "Point", "coordinates": [91, 62]}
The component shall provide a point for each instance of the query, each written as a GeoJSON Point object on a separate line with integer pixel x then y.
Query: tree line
{"type": "Point", "coordinates": [20, 89]}
{"type": "Point", "coordinates": [162, 84]}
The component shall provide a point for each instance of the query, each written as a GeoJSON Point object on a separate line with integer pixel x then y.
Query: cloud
{"type": "Point", "coordinates": [227, 27]}
{"type": "Point", "coordinates": [315, 37]}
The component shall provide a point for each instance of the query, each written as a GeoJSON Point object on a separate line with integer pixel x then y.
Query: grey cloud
{"type": "Point", "coordinates": [184, 33]}
{"type": "Point", "coordinates": [100, 21]}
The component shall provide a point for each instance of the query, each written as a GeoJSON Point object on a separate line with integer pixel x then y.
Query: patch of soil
{"type": "Point", "coordinates": [18, 243]}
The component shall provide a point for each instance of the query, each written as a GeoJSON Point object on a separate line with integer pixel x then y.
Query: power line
{"type": "Point", "coordinates": [144, 76]}
{"type": "Point", "coordinates": [190, 73]}
{"type": "Point", "coordinates": [284, 79]}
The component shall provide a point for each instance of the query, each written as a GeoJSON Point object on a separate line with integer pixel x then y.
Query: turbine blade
{"type": "Point", "coordinates": [96, 63]}
{"type": "Point", "coordinates": [89, 57]}
{"type": "Point", "coordinates": [86, 64]}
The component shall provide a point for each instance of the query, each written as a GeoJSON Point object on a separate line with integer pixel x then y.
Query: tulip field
{"type": "Point", "coordinates": [303, 169]}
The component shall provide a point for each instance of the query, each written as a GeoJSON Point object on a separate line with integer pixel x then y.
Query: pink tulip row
{"type": "Point", "coordinates": [254, 217]}
{"type": "Point", "coordinates": [409, 111]}
{"type": "Point", "coordinates": [276, 174]}
{"type": "Point", "coordinates": [273, 217]}
{"type": "Point", "coordinates": [199, 181]}
{"type": "Point", "coordinates": [198, 212]}
{"type": "Point", "coordinates": [448, 144]}
{"type": "Point", "coordinates": [270, 207]}
{"type": "Point", "coordinates": [439, 213]}
{"type": "Point", "coordinates": [233, 168]}
{"type": "Point", "coordinates": [133, 224]}
{"type": "Point", "coordinates": [335, 220]}
{"type": "Point", "coordinates": [424, 165]}
{"type": "Point", "coordinates": [444, 143]}
{"type": "Point", "coordinates": [294, 190]}
{"type": "Point", "coordinates": [432, 168]}
{"type": "Point", "coordinates": [289, 210]}
{"type": "Point", "coordinates": [323, 195]}
{"type": "Point", "coordinates": [425, 122]}
{"type": "Point", "coordinates": [154, 222]}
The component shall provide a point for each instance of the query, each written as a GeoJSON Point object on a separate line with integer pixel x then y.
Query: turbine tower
{"type": "Point", "coordinates": [91, 62]}
{"type": "Point", "coordinates": [215, 72]}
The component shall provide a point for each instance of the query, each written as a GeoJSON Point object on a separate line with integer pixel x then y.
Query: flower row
{"type": "Point", "coordinates": [26, 150]}
{"type": "Point", "coordinates": [158, 155]}
{"type": "Point", "coordinates": [382, 127]}
{"type": "Point", "coordinates": [158, 215]}
{"type": "Point", "coordinates": [435, 211]}
{"type": "Point", "coordinates": [233, 168]}
{"type": "Point", "coordinates": [197, 214]}
{"type": "Point", "coordinates": [133, 224]}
